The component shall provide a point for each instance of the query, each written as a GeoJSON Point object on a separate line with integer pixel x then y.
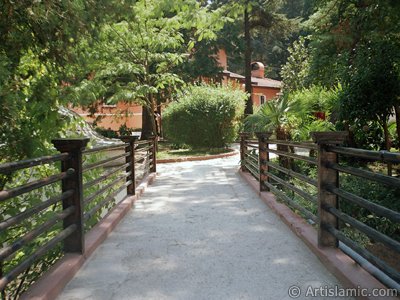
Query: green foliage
{"type": "Point", "coordinates": [317, 98]}
{"type": "Point", "coordinates": [310, 102]}
{"type": "Point", "coordinates": [36, 197]}
{"type": "Point", "coordinates": [144, 53]}
{"type": "Point", "coordinates": [376, 193]}
{"type": "Point", "coordinates": [295, 71]}
{"type": "Point", "coordinates": [37, 40]}
{"type": "Point", "coordinates": [271, 31]}
{"type": "Point", "coordinates": [18, 205]}
{"type": "Point", "coordinates": [292, 116]}
{"type": "Point", "coordinates": [355, 43]}
{"type": "Point", "coordinates": [204, 116]}
{"type": "Point", "coordinates": [307, 170]}
{"type": "Point", "coordinates": [374, 85]}
{"type": "Point", "coordinates": [272, 115]}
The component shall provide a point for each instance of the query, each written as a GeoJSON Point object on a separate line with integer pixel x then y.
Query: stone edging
{"type": "Point", "coordinates": [197, 158]}
{"type": "Point", "coordinates": [345, 269]}
{"type": "Point", "coordinates": [53, 282]}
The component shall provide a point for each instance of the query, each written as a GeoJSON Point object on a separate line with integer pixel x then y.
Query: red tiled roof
{"type": "Point", "coordinates": [264, 82]}
{"type": "Point", "coordinates": [232, 75]}
{"type": "Point", "coordinates": [267, 82]}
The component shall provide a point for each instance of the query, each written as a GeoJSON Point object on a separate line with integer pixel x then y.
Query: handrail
{"type": "Point", "coordinates": [39, 253]}
{"type": "Point", "coordinates": [30, 236]}
{"type": "Point", "coordinates": [102, 148]}
{"type": "Point", "coordinates": [298, 191]}
{"type": "Point", "coordinates": [371, 206]}
{"type": "Point", "coordinates": [102, 190]}
{"type": "Point", "coordinates": [67, 223]}
{"type": "Point", "coordinates": [364, 253]}
{"type": "Point", "coordinates": [374, 234]}
{"type": "Point", "coordinates": [104, 176]}
{"type": "Point", "coordinates": [309, 160]}
{"type": "Point", "coordinates": [383, 155]}
{"type": "Point", "coordinates": [103, 162]}
{"type": "Point", "coordinates": [14, 192]}
{"type": "Point", "coordinates": [30, 212]}
{"type": "Point", "coordinates": [381, 178]}
{"type": "Point", "coordinates": [328, 168]}
{"type": "Point", "coordinates": [307, 145]}
{"type": "Point", "coordinates": [292, 203]}
{"type": "Point", "coordinates": [292, 173]}
{"type": "Point", "coordinates": [29, 163]}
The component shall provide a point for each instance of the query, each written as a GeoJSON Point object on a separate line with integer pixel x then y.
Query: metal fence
{"type": "Point", "coordinates": [88, 184]}
{"type": "Point", "coordinates": [314, 191]}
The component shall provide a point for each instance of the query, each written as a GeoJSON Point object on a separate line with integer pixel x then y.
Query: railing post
{"type": "Point", "coordinates": [153, 168]}
{"type": "Point", "coordinates": [74, 242]}
{"type": "Point", "coordinates": [243, 149]}
{"type": "Point", "coordinates": [130, 139]}
{"type": "Point", "coordinates": [327, 177]}
{"type": "Point", "coordinates": [263, 157]}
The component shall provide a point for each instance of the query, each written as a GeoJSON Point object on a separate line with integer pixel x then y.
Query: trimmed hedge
{"type": "Point", "coordinates": [205, 116]}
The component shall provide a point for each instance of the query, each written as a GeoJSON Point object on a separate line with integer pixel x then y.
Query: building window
{"type": "Point", "coordinates": [262, 99]}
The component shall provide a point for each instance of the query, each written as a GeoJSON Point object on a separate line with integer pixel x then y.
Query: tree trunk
{"type": "Point", "coordinates": [159, 123]}
{"type": "Point", "coordinates": [397, 113]}
{"type": "Point", "coordinates": [247, 61]}
{"type": "Point", "coordinates": [148, 121]}
{"type": "Point", "coordinates": [387, 144]}
{"type": "Point", "coordinates": [282, 136]}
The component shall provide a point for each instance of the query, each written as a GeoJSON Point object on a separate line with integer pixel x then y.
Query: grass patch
{"type": "Point", "coordinates": [170, 151]}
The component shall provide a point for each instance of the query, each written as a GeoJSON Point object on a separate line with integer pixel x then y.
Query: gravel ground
{"type": "Point", "coordinates": [199, 232]}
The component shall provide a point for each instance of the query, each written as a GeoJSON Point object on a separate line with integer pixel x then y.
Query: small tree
{"type": "Point", "coordinates": [295, 71]}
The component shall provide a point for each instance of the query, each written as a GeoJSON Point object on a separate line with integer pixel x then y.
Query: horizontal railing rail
{"type": "Point", "coordinates": [356, 225]}
{"type": "Point", "coordinates": [7, 168]}
{"type": "Point", "coordinates": [277, 171]}
{"type": "Point", "coordinates": [280, 177]}
{"type": "Point", "coordinates": [103, 148]}
{"type": "Point", "coordinates": [304, 145]}
{"type": "Point", "coordinates": [90, 183]}
{"type": "Point", "coordinates": [382, 156]}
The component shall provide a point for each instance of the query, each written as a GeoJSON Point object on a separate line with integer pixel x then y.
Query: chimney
{"type": "Point", "coordinates": [221, 59]}
{"type": "Point", "coordinates": [257, 70]}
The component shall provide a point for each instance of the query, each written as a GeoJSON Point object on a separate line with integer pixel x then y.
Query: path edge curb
{"type": "Point", "coordinates": [197, 158]}
{"type": "Point", "coordinates": [345, 269]}
{"type": "Point", "coordinates": [49, 286]}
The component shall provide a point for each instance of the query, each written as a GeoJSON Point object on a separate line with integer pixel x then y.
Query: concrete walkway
{"type": "Point", "coordinates": [199, 232]}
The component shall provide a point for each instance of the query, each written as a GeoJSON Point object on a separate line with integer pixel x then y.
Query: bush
{"type": "Point", "coordinates": [205, 116]}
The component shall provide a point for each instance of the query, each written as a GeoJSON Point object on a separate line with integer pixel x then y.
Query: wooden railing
{"type": "Point", "coordinates": [320, 207]}
{"type": "Point", "coordinates": [89, 183]}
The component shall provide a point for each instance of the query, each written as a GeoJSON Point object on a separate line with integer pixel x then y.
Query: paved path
{"type": "Point", "coordinates": [199, 232]}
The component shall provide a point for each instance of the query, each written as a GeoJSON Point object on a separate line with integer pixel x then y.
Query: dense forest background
{"type": "Point", "coordinates": [78, 52]}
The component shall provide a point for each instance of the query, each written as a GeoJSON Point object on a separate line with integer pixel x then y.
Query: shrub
{"type": "Point", "coordinates": [205, 116]}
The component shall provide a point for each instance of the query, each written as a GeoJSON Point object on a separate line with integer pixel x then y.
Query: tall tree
{"type": "Point", "coordinates": [37, 38]}
{"type": "Point", "coordinates": [258, 19]}
{"type": "Point", "coordinates": [356, 43]}
{"type": "Point", "coordinates": [143, 52]}
{"type": "Point", "coordinates": [247, 59]}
